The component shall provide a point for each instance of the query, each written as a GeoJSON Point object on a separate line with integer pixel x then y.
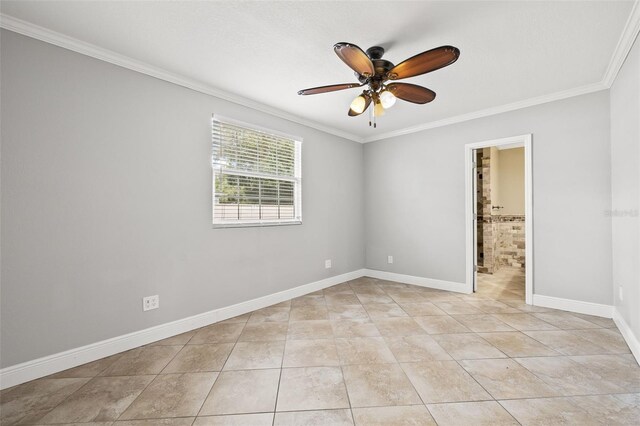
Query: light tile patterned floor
{"type": "Point", "coordinates": [365, 352]}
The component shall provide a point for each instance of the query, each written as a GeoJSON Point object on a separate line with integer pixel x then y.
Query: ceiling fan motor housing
{"type": "Point", "coordinates": [375, 52]}
{"type": "Point", "coordinates": [381, 66]}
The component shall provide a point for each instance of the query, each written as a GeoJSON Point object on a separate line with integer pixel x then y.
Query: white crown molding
{"type": "Point", "coordinates": [52, 37]}
{"type": "Point", "coordinates": [625, 43]}
{"type": "Point", "coordinates": [577, 91]}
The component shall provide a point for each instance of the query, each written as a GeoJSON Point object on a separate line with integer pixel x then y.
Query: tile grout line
{"type": "Point", "coordinates": [344, 381]}
{"type": "Point", "coordinates": [284, 351]}
{"type": "Point", "coordinates": [597, 327]}
{"type": "Point", "coordinates": [147, 386]}
{"type": "Point", "coordinates": [99, 375]}
{"type": "Point", "coordinates": [405, 373]}
{"type": "Point", "coordinates": [346, 391]}
{"type": "Point", "coordinates": [221, 368]}
{"type": "Point", "coordinates": [394, 357]}
{"type": "Point", "coordinates": [81, 387]}
{"type": "Point", "coordinates": [57, 405]}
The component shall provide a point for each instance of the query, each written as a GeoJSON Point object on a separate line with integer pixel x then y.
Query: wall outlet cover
{"type": "Point", "coordinates": [389, 259]}
{"type": "Point", "coordinates": [150, 302]}
{"type": "Point", "coordinates": [327, 263]}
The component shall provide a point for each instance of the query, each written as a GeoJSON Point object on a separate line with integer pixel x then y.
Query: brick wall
{"type": "Point", "coordinates": [509, 241]}
{"type": "Point", "coordinates": [500, 238]}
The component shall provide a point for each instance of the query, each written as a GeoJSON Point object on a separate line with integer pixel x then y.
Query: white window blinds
{"type": "Point", "coordinates": [256, 175]}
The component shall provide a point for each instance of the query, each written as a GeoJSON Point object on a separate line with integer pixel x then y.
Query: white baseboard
{"type": "Point", "coordinates": [588, 308]}
{"type": "Point", "coordinates": [30, 370]}
{"type": "Point", "coordinates": [627, 333]}
{"type": "Point", "coordinates": [41, 367]}
{"type": "Point", "coordinates": [272, 299]}
{"type": "Point", "coordinates": [419, 281]}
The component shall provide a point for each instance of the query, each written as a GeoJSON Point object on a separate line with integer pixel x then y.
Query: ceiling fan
{"type": "Point", "coordinates": [374, 72]}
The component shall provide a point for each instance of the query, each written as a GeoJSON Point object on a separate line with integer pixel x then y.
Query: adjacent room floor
{"type": "Point", "coordinates": [366, 352]}
{"type": "Point", "coordinates": [505, 283]}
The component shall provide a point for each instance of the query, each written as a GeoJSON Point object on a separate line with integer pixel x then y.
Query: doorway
{"type": "Point", "coordinates": [499, 218]}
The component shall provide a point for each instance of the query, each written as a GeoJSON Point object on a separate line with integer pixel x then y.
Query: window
{"type": "Point", "coordinates": [256, 175]}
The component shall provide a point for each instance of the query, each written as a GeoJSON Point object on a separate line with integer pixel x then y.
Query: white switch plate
{"type": "Point", "coordinates": [620, 293]}
{"type": "Point", "coordinates": [327, 263]}
{"type": "Point", "coordinates": [150, 302]}
{"type": "Point", "coordinates": [389, 259]}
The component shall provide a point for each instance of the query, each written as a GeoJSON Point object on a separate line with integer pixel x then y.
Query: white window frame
{"type": "Point", "coordinates": [297, 179]}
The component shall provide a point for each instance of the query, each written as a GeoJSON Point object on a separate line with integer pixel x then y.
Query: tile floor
{"type": "Point", "coordinates": [505, 283]}
{"type": "Point", "coordinates": [365, 352]}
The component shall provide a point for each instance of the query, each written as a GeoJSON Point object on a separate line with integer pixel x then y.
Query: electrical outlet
{"type": "Point", "coordinates": [389, 259]}
{"type": "Point", "coordinates": [620, 293]}
{"type": "Point", "coordinates": [327, 263]}
{"type": "Point", "coordinates": [150, 302]}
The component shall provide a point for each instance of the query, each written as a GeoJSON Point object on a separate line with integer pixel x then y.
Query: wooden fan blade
{"type": "Point", "coordinates": [425, 62]}
{"type": "Point", "coordinates": [367, 100]}
{"type": "Point", "coordinates": [412, 93]}
{"type": "Point", "coordinates": [355, 58]}
{"type": "Point", "coordinates": [325, 89]}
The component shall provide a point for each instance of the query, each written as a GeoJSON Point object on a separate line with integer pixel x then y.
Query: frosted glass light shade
{"type": "Point", "coordinates": [358, 104]}
{"type": "Point", "coordinates": [387, 99]}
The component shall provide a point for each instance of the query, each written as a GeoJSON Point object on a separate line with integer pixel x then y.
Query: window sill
{"type": "Point", "coordinates": [255, 224]}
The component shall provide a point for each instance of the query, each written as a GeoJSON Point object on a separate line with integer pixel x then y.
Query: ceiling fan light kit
{"type": "Point", "coordinates": [387, 99]}
{"type": "Point", "coordinates": [374, 72]}
{"type": "Point", "coordinates": [359, 104]}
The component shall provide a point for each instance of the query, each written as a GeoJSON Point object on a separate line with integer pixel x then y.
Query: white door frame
{"type": "Point", "coordinates": [513, 142]}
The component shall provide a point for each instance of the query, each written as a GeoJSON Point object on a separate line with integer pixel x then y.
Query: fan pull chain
{"type": "Point", "coordinates": [370, 116]}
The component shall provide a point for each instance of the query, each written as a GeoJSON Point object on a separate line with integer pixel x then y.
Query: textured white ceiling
{"type": "Point", "coordinates": [266, 51]}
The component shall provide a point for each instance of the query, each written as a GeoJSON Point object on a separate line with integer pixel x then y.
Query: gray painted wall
{"type": "Point", "coordinates": [625, 188]}
{"type": "Point", "coordinates": [106, 198]}
{"type": "Point", "coordinates": [414, 197]}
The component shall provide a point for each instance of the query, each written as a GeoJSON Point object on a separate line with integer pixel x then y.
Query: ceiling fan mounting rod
{"type": "Point", "coordinates": [375, 52]}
